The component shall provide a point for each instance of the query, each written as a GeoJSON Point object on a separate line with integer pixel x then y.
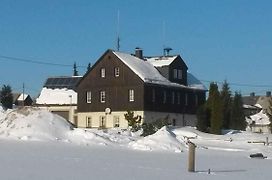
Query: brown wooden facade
{"type": "Point", "coordinates": [147, 97]}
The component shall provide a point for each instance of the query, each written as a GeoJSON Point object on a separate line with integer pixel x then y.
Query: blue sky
{"type": "Point", "coordinates": [218, 39]}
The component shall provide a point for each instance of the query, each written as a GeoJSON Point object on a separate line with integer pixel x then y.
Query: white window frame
{"type": "Point", "coordinates": [88, 121]}
{"type": "Point", "coordinates": [179, 74]}
{"type": "Point", "coordinates": [102, 72]}
{"type": "Point", "coordinates": [131, 95]}
{"type": "Point", "coordinates": [102, 96]}
{"type": "Point", "coordinates": [116, 71]}
{"type": "Point", "coordinates": [102, 121]}
{"type": "Point", "coordinates": [116, 121]}
{"type": "Point", "coordinates": [89, 96]}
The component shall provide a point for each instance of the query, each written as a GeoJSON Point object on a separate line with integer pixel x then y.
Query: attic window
{"type": "Point", "coordinates": [89, 97]}
{"type": "Point", "coordinates": [103, 72]}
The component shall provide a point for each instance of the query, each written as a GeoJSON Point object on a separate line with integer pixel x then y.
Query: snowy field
{"type": "Point", "coordinates": [36, 144]}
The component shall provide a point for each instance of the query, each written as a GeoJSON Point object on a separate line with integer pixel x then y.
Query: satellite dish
{"type": "Point", "coordinates": [107, 110]}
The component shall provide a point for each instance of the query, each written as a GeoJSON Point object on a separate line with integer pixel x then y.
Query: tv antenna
{"type": "Point", "coordinates": [118, 31]}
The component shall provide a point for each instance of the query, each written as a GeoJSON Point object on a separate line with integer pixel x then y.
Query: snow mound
{"type": "Point", "coordinates": [162, 140]}
{"type": "Point", "coordinates": [33, 123]}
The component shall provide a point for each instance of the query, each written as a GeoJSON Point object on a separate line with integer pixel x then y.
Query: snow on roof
{"type": "Point", "coordinates": [147, 72]}
{"type": "Point", "coordinates": [22, 97]}
{"type": "Point", "coordinates": [161, 60]}
{"type": "Point", "coordinates": [260, 118]}
{"type": "Point", "coordinates": [57, 96]}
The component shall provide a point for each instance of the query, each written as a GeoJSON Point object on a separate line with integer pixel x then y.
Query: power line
{"type": "Point", "coordinates": [240, 84]}
{"type": "Point", "coordinates": [2, 57]}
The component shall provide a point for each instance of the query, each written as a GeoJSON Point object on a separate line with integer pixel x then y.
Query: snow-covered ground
{"type": "Point", "coordinates": [36, 144]}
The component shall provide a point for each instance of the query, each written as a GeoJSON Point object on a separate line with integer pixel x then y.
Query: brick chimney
{"type": "Point", "coordinates": [139, 53]}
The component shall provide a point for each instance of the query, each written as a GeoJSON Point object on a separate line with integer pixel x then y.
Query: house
{"type": "Point", "coordinates": [153, 88]}
{"type": "Point", "coordinates": [257, 119]}
{"type": "Point", "coordinates": [22, 99]}
{"type": "Point", "coordinates": [59, 96]}
{"type": "Point", "coordinates": [250, 104]}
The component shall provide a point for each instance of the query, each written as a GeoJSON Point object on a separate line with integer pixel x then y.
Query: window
{"type": "Point", "coordinates": [179, 74]}
{"type": "Point", "coordinates": [102, 96]}
{"type": "Point", "coordinates": [131, 95]}
{"type": "Point", "coordinates": [116, 72]}
{"type": "Point", "coordinates": [186, 99]}
{"type": "Point", "coordinates": [89, 97]}
{"type": "Point", "coordinates": [164, 97]}
{"type": "Point", "coordinates": [178, 98]}
{"type": "Point", "coordinates": [103, 72]}
{"type": "Point", "coordinates": [102, 121]}
{"type": "Point", "coordinates": [116, 121]}
{"type": "Point", "coordinates": [196, 100]}
{"type": "Point", "coordinates": [175, 73]}
{"type": "Point", "coordinates": [153, 95]}
{"type": "Point", "coordinates": [89, 121]}
{"type": "Point", "coordinates": [173, 97]}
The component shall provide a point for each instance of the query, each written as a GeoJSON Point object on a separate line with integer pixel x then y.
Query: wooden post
{"type": "Point", "coordinates": [267, 143]}
{"type": "Point", "coordinates": [191, 159]}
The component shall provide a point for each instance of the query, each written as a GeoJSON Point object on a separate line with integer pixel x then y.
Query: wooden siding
{"type": "Point", "coordinates": [116, 88]}
{"type": "Point", "coordinates": [169, 106]}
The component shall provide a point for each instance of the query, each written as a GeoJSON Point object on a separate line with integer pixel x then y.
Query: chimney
{"type": "Point", "coordinates": [268, 93]}
{"type": "Point", "coordinates": [252, 94]}
{"type": "Point", "coordinates": [139, 53]}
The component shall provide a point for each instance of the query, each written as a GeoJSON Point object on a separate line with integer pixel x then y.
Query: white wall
{"type": "Point", "coordinates": [147, 116]}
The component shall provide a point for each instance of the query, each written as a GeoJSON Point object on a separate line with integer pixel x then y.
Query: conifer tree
{"type": "Point", "coordinates": [6, 97]}
{"type": "Point", "coordinates": [215, 108]}
{"type": "Point", "coordinates": [226, 103]}
{"type": "Point", "coordinates": [89, 67]}
{"type": "Point", "coordinates": [237, 119]}
{"type": "Point", "coordinates": [75, 70]}
{"type": "Point", "coordinates": [203, 122]}
{"type": "Point", "coordinates": [133, 121]}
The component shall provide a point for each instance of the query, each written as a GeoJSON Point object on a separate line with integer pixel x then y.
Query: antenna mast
{"type": "Point", "coordinates": [118, 29]}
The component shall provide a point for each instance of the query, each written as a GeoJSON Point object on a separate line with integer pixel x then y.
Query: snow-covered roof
{"type": "Point", "coordinates": [148, 73]}
{"type": "Point", "coordinates": [22, 97]}
{"type": "Point", "coordinates": [161, 60]}
{"type": "Point", "coordinates": [260, 118]}
{"type": "Point", "coordinates": [62, 96]}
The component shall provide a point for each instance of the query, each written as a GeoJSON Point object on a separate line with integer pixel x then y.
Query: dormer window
{"type": "Point", "coordinates": [103, 72]}
{"type": "Point", "coordinates": [177, 73]}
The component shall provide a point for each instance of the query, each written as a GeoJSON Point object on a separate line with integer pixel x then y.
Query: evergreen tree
{"type": "Point", "coordinates": [226, 103]}
{"type": "Point", "coordinates": [89, 67]}
{"type": "Point", "coordinates": [215, 108]}
{"type": "Point", "coordinates": [75, 70]}
{"type": "Point", "coordinates": [6, 97]}
{"type": "Point", "coordinates": [203, 122]}
{"type": "Point", "coordinates": [237, 119]}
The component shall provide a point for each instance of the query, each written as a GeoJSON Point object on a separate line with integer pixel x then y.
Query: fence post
{"type": "Point", "coordinates": [191, 159]}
